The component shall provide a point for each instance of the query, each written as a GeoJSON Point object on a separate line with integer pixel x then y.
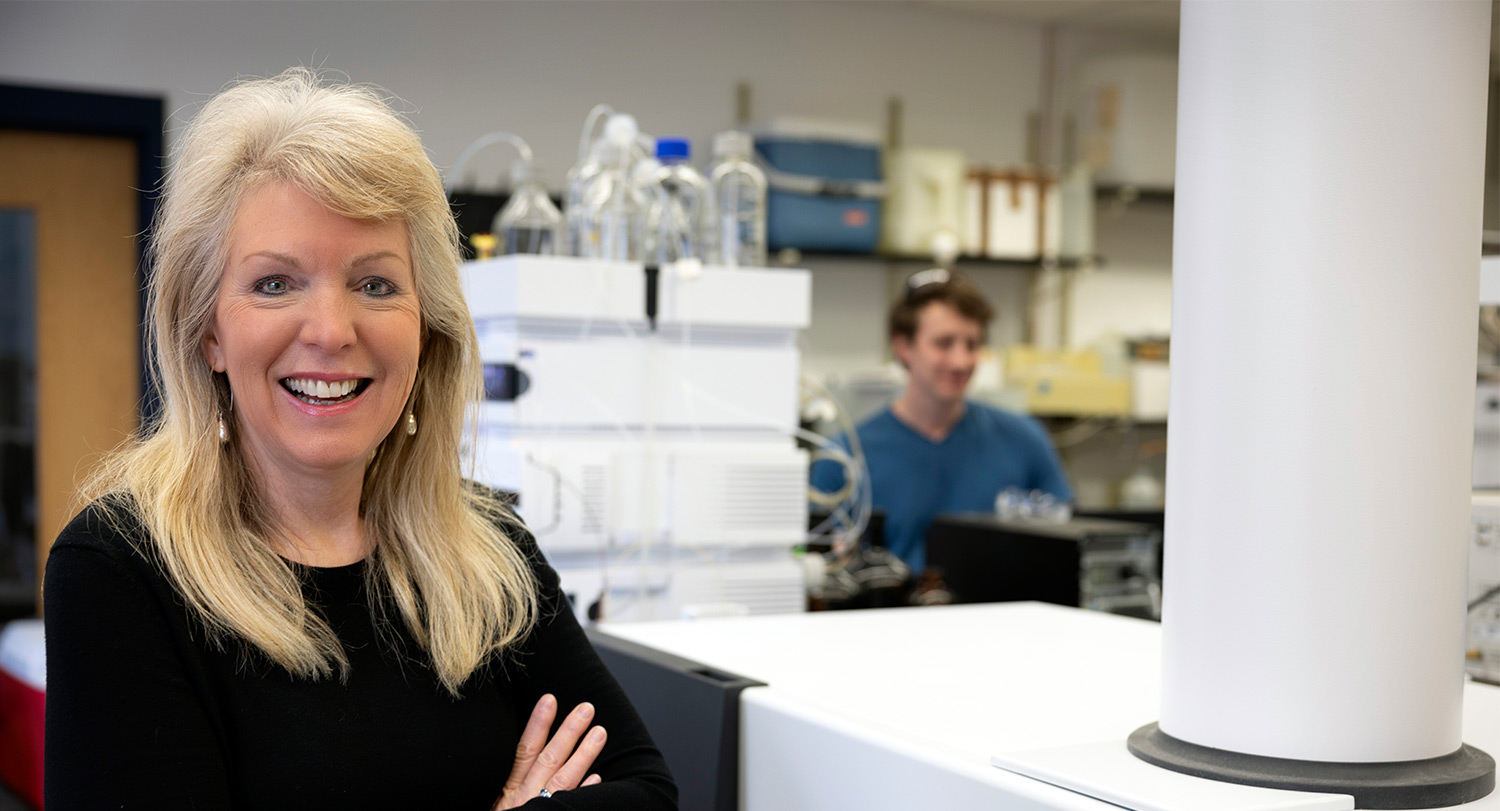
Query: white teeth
{"type": "Point", "coordinates": [321, 389]}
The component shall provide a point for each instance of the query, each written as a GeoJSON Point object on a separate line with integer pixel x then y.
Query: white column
{"type": "Point", "coordinates": [1329, 192]}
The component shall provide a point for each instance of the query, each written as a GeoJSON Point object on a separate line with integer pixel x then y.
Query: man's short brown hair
{"type": "Point", "coordinates": [923, 289]}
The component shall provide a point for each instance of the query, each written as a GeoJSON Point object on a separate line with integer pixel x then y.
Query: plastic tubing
{"type": "Point", "coordinates": [480, 144]}
{"type": "Point", "coordinates": [592, 120]}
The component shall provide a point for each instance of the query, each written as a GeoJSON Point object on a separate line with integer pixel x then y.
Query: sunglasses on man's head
{"type": "Point", "coordinates": [921, 279]}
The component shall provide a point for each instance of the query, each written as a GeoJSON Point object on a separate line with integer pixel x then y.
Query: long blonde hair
{"type": "Point", "coordinates": [441, 555]}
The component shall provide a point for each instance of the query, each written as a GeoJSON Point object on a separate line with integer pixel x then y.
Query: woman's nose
{"type": "Point", "coordinates": [329, 323]}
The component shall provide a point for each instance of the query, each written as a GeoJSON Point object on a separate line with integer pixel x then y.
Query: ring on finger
{"type": "Point", "coordinates": [544, 792]}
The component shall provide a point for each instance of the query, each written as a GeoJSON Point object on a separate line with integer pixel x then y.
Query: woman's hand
{"type": "Point", "coordinates": [553, 765]}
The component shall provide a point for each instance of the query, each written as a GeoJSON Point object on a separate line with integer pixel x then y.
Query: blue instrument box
{"type": "Point", "coordinates": [824, 187]}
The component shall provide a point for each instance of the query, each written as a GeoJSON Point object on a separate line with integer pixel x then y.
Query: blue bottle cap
{"type": "Point", "coordinates": [669, 147]}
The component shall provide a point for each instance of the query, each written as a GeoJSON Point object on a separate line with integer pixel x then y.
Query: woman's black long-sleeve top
{"type": "Point", "coordinates": [144, 712]}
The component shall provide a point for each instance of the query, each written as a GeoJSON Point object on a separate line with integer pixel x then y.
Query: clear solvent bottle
{"type": "Point", "coordinates": [678, 206]}
{"type": "Point", "coordinates": [575, 220]}
{"type": "Point", "coordinates": [609, 210]}
{"type": "Point", "coordinates": [739, 195]}
{"type": "Point", "coordinates": [530, 221]}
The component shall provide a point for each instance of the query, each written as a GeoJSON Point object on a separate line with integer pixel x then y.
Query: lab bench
{"type": "Point", "coordinates": [913, 708]}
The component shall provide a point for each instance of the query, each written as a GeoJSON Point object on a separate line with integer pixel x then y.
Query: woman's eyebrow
{"type": "Point", "coordinates": [372, 257]}
{"type": "Point", "coordinates": [283, 258]}
{"type": "Point", "coordinates": [291, 261]}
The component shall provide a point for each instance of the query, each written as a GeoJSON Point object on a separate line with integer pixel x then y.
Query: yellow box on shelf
{"type": "Point", "coordinates": [1065, 383]}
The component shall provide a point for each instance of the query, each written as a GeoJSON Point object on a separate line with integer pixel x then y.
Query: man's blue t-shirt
{"type": "Point", "coordinates": [913, 479]}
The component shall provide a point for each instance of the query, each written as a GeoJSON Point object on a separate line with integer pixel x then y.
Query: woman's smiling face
{"type": "Point", "coordinates": [318, 329]}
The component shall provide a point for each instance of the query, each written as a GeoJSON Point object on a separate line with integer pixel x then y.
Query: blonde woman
{"type": "Point", "coordinates": [284, 594]}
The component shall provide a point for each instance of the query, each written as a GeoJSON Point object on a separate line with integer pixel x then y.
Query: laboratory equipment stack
{"type": "Point", "coordinates": [650, 446]}
{"type": "Point", "coordinates": [642, 393]}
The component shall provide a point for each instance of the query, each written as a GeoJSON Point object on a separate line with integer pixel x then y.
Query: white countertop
{"type": "Point", "coordinates": [971, 680]}
{"type": "Point", "coordinates": [959, 685]}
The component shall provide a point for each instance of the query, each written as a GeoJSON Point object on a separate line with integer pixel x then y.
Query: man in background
{"type": "Point", "coordinates": [932, 450]}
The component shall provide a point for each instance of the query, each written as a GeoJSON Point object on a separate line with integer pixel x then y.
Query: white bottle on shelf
{"type": "Point", "coordinates": [739, 194]}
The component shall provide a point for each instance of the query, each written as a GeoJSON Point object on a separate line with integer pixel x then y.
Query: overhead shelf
{"type": "Point", "coordinates": [791, 257]}
{"type": "Point", "coordinates": [1127, 194]}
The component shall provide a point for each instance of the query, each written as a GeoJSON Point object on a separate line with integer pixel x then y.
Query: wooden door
{"type": "Point", "coordinates": [82, 193]}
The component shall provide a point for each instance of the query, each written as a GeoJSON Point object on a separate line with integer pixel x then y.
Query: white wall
{"type": "Point", "coordinates": [1132, 294]}
{"type": "Point", "coordinates": [466, 68]}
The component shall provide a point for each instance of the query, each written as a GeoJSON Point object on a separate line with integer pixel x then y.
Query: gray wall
{"type": "Point", "coordinates": [968, 81]}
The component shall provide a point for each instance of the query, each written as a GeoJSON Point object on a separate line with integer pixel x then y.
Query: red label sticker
{"type": "Point", "coordinates": [856, 217]}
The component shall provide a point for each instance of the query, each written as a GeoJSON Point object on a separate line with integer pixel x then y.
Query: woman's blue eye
{"type": "Point", "coordinates": [378, 287]}
{"type": "Point", "coordinates": [274, 285]}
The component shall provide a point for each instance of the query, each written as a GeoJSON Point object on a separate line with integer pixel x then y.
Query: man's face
{"type": "Point", "coordinates": [940, 357]}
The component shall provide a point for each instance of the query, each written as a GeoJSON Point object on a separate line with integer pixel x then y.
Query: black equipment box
{"type": "Point", "coordinates": [1093, 563]}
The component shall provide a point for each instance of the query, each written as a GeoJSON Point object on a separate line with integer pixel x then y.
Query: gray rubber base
{"type": "Point", "coordinates": [1462, 777]}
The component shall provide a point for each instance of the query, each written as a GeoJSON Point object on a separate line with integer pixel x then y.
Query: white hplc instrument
{"type": "Point", "coordinates": [644, 418]}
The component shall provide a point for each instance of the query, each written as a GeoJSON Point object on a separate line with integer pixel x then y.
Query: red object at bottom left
{"type": "Point", "coordinates": [23, 708]}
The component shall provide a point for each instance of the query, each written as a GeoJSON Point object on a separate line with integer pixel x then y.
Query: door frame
{"type": "Point", "coordinates": [137, 118]}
